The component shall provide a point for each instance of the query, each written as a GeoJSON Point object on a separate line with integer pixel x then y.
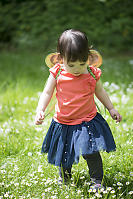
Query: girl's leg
{"type": "Point", "coordinates": [94, 162]}
{"type": "Point", "coordinates": [65, 174]}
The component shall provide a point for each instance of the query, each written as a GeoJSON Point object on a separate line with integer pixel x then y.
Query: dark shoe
{"type": "Point", "coordinates": [96, 185]}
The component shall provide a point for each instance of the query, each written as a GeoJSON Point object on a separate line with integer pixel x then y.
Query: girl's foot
{"type": "Point", "coordinates": [96, 185]}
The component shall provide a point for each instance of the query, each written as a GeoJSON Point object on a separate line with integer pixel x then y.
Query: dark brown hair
{"type": "Point", "coordinates": [73, 45]}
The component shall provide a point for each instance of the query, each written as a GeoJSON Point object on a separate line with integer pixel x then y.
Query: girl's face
{"type": "Point", "coordinates": [75, 68]}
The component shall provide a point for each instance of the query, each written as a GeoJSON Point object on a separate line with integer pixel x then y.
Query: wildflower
{"type": "Point", "coordinates": [25, 100]}
{"type": "Point", "coordinates": [98, 195]}
{"type": "Point", "coordinates": [114, 98]}
{"type": "Point", "coordinates": [125, 126]}
{"type": "Point", "coordinates": [40, 168]}
{"type": "Point", "coordinates": [2, 184]}
{"type": "Point", "coordinates": [101, 190]}
{"type": "Point", "coordinates": [119, 183]}
{"type": "Point", "coordinates": [1, 130]}
{"type": "Point", "coordinates": [106, 84]}
{"type": "Point", "coordinates": [38, 129]}
{"type": "Point", "coordinates": [113, 191]}
{"type": "Point", "coordinates": [55, 180]}
{"type": "Point", "coordinates": [42, 174]}
{"type": "Point", "coordinates": [29, 154]}
{"type": "Point", "coordinates": [33, 99]}
{"type": "Point", "coordinates": [39, 153]}
{"type": "Point", "coordinates": [3, 171]}
{"type": "Point", "coordinates": [16, 184]}
{"type": "Point", "coordinates": [109, 188]}
{"type": "Point", "coordinates": [78, 192]}
{"type": "Point", "coordinates": [16, 168]}
{"type": "Point", "coordinates": [119, 188]}
{"type": "Point", "coordinates": [7, 130]}
{"type": "Point", "coordinates": [17, 131]}
{"type": "Point", "coordinates": [35, 181]}
{"type": "Point", "coordinates": [11, 196]}
{"type": "Point", "coordinates": [94, 190]}
{"type": "Point", "coordinates": [12, 109]}
{"type": "Point", "coordinates": [114, 185]}
{"type": "Point", "coordinates": [23, 182]}
{"type": "Point", "coordinates": [53, 197]}
{"type": "Point", "coordinates": [48, 181]}
{"type": "Point", "coordinates": [104, 192]}
{"type": "Point", "coordinates": [73, 185]}
{"type": "Point", "coordinates": [21, 122]}
{"type": "Point", "coordinates": [125, 99]}
{"type": "Point", "coordinates": [6, 195]}
{"type": "Point", "coordinates": [114, 196]}
{"type": "Point", "coordinates": [39, 94]}
{"type": "Point", "coordinates": [82, 177]}
{"type": "Point", "coordinates": [127, 183]}
{"type": "Point", "coordinates": [130, 193]}
{"type": "Point", "coordinates": [28, 184]}
{"type": "Point", "coordinates": [15, 121]}
{"type": "Point", "coordinates": [48, 189]}
{"type": "Point", "coordinates": [90, 190]}
{"type": "Point", "coordinates": [114, 87]}
{"type": "Point", "coordinates": [43, 194]}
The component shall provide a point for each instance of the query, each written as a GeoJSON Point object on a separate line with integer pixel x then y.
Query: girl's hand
{"type": "Point", "coordinates": [115, 115]}
{"type": "Point", "coordinates": [39, 117]}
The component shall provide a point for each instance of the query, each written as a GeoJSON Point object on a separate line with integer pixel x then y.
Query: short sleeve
{"type": "Point", "coordinates": [96, 71]}
{"type": "Point", "coordinates": [54, 70]}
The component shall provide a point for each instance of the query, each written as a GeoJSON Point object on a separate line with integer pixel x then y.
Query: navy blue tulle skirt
{"type": "Point", "coordinates": [65, 143]}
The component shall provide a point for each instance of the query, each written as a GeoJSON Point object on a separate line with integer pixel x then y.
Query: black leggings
{"type": "Point", "coordinates": [94, 162]}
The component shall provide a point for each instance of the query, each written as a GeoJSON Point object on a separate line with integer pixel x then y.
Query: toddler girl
{"type": "Point", "coordinates": [77, 128]}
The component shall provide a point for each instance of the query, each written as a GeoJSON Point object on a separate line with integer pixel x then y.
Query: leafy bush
{"type": "Point", "coordinates": [39, 23]}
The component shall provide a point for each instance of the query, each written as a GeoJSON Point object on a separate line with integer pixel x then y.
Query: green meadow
{"type": "Point", "coordinates": [24, 171]}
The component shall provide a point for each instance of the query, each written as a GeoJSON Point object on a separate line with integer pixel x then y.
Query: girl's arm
{"type": "Point", "coordinates": [105, 100]}
{"type": "Point", "coordinates": [45, 99]}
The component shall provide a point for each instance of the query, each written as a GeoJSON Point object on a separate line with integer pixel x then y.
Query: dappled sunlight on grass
{"type": "Point", "coordinates": [24, 171]}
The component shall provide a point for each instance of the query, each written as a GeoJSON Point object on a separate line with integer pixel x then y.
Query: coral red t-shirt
{"type": "Point", "coordinates": [75, 96]}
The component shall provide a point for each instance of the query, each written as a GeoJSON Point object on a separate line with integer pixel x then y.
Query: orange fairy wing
{"type": "Point", "coordinates": [95, 59]}
{"type": "Point", "coordinates": [53, 59]}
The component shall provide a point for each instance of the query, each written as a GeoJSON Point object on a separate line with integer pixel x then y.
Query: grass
{"type": "Point", "coordinates": [24, 171]}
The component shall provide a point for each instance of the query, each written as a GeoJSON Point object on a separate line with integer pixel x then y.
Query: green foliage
{"type": "Point", "coordinates": [39, 23]}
